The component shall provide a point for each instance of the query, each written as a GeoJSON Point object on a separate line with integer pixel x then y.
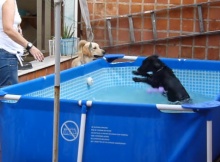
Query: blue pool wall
{"type": "Point", "coordinates": [138, 132]}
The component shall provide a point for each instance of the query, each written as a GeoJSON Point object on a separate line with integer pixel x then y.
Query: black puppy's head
{"type": "Point", "coordinates": [151, 64]}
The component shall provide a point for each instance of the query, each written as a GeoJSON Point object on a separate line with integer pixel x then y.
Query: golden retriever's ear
{"type": "Point", "coordinates": [86, 51]}
{"type": "Point", "coordinates": [81, 44]}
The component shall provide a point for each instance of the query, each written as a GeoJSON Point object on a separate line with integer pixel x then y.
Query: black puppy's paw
{"type": "Point", "coordinates": [136, 79]}
{"type": "Point", "coordinates": [135, 72]}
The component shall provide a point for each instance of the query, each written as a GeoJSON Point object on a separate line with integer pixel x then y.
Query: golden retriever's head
{"type": "Point", "coordinates": [90, 49]}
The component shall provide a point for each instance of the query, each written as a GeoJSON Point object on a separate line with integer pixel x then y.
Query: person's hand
{"type": "Point", "coordinates": [37, 54]}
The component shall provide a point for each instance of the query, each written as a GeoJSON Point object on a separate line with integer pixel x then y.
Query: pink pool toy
{"type": "Point", "coordinates": [156, 90]}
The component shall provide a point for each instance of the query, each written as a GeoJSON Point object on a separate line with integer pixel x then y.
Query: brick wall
{"type": "Point", "coordinates": [178, 29]}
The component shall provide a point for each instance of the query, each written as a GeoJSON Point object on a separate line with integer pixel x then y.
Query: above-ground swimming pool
{"type": "Point", "coordinates": [122, 121]}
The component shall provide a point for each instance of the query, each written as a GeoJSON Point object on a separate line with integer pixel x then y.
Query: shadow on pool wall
{"type": "Point", "coordinates": [114, 131]}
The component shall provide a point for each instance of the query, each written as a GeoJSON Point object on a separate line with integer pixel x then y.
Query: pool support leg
{"type": "Point", "coordinates": [82, 129]}
{"type": "Point", "coordinates": [209, 140]}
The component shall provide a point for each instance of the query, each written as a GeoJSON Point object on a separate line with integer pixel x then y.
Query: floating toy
{"type": "Point", "coordinates": [156, 90]}
{"type": "Point", "coordinates": [89, 81]}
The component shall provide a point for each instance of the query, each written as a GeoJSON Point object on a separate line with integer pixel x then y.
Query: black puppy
{"type": "Point", "coordinates": [161, 76]}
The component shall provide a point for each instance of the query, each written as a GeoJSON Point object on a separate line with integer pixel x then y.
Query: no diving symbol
{"type": "Point", "coordinates": [69, 130]}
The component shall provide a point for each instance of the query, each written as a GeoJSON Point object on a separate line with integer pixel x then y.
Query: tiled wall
{"type": "Point", "coordinates": [178, 30]}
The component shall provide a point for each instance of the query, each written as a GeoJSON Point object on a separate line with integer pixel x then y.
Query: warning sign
{"type": "Point", "coordinates": [69, 130]}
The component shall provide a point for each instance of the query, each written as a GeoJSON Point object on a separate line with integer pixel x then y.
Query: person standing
{"type": "Point", "coordinates": [12, 43]}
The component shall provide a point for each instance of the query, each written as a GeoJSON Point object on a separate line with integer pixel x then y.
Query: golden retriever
{"type": "Point", "coordinates": [87, 52]}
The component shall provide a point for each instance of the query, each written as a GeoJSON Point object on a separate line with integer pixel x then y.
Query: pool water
{"type": "Point", "coordinates": [130, 94]}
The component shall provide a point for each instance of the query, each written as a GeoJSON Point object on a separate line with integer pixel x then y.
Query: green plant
{"type": "Point", "coordinates": [68, 31]}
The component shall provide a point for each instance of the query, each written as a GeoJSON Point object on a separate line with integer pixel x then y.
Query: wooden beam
{"type": "Point", "coordinates": [39, 24]}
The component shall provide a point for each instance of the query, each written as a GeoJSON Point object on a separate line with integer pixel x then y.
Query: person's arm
{"type": "Point", "coordinates": [8, 14]}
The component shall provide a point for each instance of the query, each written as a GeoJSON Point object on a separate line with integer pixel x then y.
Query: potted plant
{"type": "Point", "coordinates": [68, 41]}
{"type": "Point", "coordinates": [68, 32]}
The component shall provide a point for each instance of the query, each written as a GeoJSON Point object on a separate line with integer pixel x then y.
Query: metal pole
{"type": "Point", "coordinates": [82, 134]}
{"type": "Point", "coordinates": [82, 129]}
{"type": "Point", "coordinates": [57, 20]}
{"type": "Point", "coordinates": [209, 140]}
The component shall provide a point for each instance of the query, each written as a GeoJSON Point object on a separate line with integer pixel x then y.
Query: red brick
{"type": "Point", "coordinates": [162, 1]}
{"type": "Point", "coordinates": [134, 50]}
{"type": "Point", "coordinates": [162, 24]}
{"type": "Point", "coordinates": [123, 9]}
{"type": "Point", "coordinates": [214, 40]}
{"type": "Point", "coordinates": [187, 41]}
{"type": "Point", "coordinates": [162, 14]}
{"type": "Point", "coordinates": [214, 4]}
{"type": "Point", "coordinates": [187, 25]}
{"type": "Point", "coordinates": [160, 7]}
{"type": "Point", "coordinates": [162, 34]}
{"type": "Point", "coordinates": [101, 42]}
{"type": "Point", "coordinates": [22, 78]}
{"type": "Point", "coordinates": [100, 1]}
{"type": "Point", "coordinates": [173, 34]}
{"type": "Point", "coordinates": [147, 35]}
{"type": "Point", "coordinates": [213, 54]}
{"type": "Point", "coordinates": [187, 2]}
{"type": "Point", "coordinates": [149, 1]}
{"type": "Point", "coordinates": [148, 7]}
{"type": "Point", "coordinates": [123, 35]}
{"type": "Point", "coordinates": [147, 49]}
{"type": "Point", "coordinates": [111, 10]}
{"type": "Point", "coordinates": [114, 34]}
{"type": "Point", "coordinates": [174, 13]}
{"type": "Point", "coordinates": [136, 1]}
{"type": "Point", "coordinates": [214, 13]}
{"type": "Point", "coordinates": [188, 13]}
{"type": "Point", "coordinates": [199, 53]}
{"type": "Point", "coordinates": [174, 42]}
{"type": "Point", "coordinates": [161, 50]}
{"type": "Point", "coordinates": [100, 23]}
{"type": "Point", "coordinates": [199, 1]}
{"type": "Point", "coordinates": [173, 51]}
{"type": "Point", "coordinates": [90, 7]}
{"type": "Point", "coordinates": [200, 40]}
{"type": "Point", "coordinates": [99, 8]}
{"type": "Point", "coordinates": [147, 23]}
{"type": "Point", "coordinates": [186, 52]}
{"type": "Point", "coordinates": [123, 23]}
{"type": "Point", "coordinates": [137, 22]}
{"type": "Point", "coordinates": [214, 25]}
{"type": "Point", "coordinates": [136, 8]}
{"type": "Point", "coordinates": [99, 34]}
{"type": "Point", "coordinates": [137, 36]}
{"type": "Point", "coordinates": [123, 49]}
{"type": "Point", "coordinates": [112, 50]}
{"type": "Point", "coordinates": [174, 24]}
{"type": "Point", "coordinates": [114, 1]}
{"type": "Point", "coordinates": [175, 2]}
